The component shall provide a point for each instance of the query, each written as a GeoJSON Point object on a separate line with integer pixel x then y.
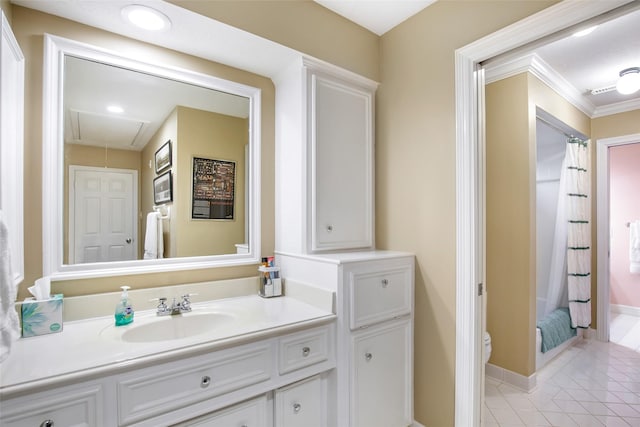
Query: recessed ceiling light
{"type": "Point", "coordinates": [146, 17]}
{"type": "Point", "coordinates": [115, 109]}
{"type": "Point", "coordinates": [584, 32]}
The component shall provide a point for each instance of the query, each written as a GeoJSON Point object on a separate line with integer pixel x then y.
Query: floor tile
{"type": "Point", "coordinates": [592, 384]}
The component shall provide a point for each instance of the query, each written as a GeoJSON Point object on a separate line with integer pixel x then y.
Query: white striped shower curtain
{"type": "Point", "coordinates": [578, 199]}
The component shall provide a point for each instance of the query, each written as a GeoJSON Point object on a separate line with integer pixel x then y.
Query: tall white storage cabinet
{"type": "Point", "coordinates": [324, 156]}
{"type": "Point", "coordinates": [373, 378]}
{"type": "Point", "coordinates": [325, 238]}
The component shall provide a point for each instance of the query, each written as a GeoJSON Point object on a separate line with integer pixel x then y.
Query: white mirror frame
{"type": "Point", "coordinates": [12, 146]}
{"type": "Point", "coordinates": [55, 49]}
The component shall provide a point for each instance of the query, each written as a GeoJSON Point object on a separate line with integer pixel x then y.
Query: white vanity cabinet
{"type": "Point", "coordinates": [229, 386]}
{"type": "Point", "coordinates": [252, 413]}
{"type": "Point", "coordinates": [72, 406]}
{"type": "Point", "coordinates": [373, 381]}
{"type": "Point", "coordinates": [325, 153]}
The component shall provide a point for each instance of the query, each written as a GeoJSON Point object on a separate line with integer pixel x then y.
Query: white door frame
{"type": "Point", "coordinates": [469, 184]}
{"type": "Point", "coordinates": [602, 227]}
{"type": "Point", "coordinates": [72, 197]}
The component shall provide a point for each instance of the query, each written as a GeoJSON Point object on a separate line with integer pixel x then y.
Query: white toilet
{"type": "Point", "coordinates": [487, 346]}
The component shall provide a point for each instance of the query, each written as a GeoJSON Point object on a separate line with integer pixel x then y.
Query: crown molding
{"type": "Point", "coordinates": [535, 65]}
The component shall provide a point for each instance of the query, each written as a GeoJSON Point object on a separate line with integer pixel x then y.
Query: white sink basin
{"type": "Point", "coordinates": [167, 328]}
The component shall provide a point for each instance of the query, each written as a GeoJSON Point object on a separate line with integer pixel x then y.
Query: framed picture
{"type": "Point", "coordinates": [163, 189]}
{"type": "Point", "coordinates": [163, 157]}
{"type": "Point", "coordinates": [213, 194]}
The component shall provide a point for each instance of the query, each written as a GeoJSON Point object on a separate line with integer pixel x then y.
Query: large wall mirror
{"type": "Point", "coordinates": [146, 168]}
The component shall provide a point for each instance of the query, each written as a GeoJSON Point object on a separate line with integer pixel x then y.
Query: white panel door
{"type": "Point", "coordinates": [102, 215]}
{"type": "Point", "coordinates": [341, 165]}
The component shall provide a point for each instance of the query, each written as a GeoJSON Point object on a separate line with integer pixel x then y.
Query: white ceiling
{"type": "Point", "coordinates": [378, 16]}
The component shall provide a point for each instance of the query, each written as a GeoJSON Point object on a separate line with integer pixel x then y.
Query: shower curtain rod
{"type": "Point", "coordinates": [556, 127]}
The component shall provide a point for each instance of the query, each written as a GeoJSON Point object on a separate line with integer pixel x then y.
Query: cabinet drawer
{"type": "Point", "coordinates": [380, 294]}
{"type": "Point", "coordinates": [73, 408]}
{"type": "Point", "coordinates": [302, 404]}
{"type": "Point", "coordinates": [252, 413]}
{"type": "Point", "coordinates": [158, 390]}
{"type": "Point", "coordinates": [303, 349]}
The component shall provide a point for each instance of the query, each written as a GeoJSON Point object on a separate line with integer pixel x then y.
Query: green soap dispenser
{"type": "Point", "coordinates": [124, 310]}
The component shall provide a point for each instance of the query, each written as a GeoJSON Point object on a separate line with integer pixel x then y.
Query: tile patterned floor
{"type": "Point", "coordinates": [590, 384]}
{"type": "Point", "coordinates": [625, 330]}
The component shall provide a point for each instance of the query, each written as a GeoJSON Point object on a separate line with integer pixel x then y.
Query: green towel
{"type": "Point", "coordinates": [556, 329]}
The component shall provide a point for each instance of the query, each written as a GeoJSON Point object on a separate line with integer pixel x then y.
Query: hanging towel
{"type": "Point", "coordinates": [153, 241]}
{"type": "Point", "coordinates": [555, 329]}
{"type": "Point", "coordinates": [634, 247]}
{"type": "Point", "coordinates": [9, 324]}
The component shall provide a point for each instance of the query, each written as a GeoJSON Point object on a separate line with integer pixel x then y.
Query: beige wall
{"type": "Point", "coordinates": [303, 25]}
{"type": "Point", "coordinates": [211, 136]}
{"type": "Point", "coordinates": [29, 27]}
{"type": "Point", "coordinates": [415, 174]}
{"type": "Point", "coordinates": [511, 202]}
{"type": "Point", "coordinates": [6, 8]}
{"type": "Point", "coordinates": [510, 216]}
{"type": "Point", "coordinates": [167, 132]}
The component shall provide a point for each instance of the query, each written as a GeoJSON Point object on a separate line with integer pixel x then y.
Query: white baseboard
{"type": "Point", "coordinates": [416, 424]}
{"type": "Point", "coordinates": [625, 309]}
{"type": "Point", "coordinates": [527, 384]}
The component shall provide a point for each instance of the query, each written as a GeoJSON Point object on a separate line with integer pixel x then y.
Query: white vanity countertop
{"type": "Point", "coordinates": [92, 347]}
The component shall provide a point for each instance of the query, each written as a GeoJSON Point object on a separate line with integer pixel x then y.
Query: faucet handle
{"type": "Point", "coordinates": [185, 304]}
{"type": "Point", "coordinates": [162, 305]}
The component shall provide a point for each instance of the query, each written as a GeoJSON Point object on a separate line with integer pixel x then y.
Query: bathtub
{"type": "Point", "coordinates": [544, 358]}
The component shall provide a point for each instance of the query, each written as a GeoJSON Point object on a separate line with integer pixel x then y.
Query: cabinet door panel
{"type": "Point", "coordinates": [381, 382]}
{"type": "Point", "coordinates": [302, 404]}
{"type": "Point", "coordinates": [341, 165]}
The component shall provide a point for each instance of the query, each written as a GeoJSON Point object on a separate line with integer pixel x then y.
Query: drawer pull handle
{"type": "Point", "coordinates": [206, 381]}
{"type": "Point", "coordinates": [296, 407]}
{"type": "Point", "coordinates": [47, 423]}
{"type": "Point", "coordinates": [329, 228]}
{"type": "Point", "coordinates": [368, 356]}
{"type": "Point", "coordinates": [385, 283]}
{"type": "Point", "coordinates": [306, 351]}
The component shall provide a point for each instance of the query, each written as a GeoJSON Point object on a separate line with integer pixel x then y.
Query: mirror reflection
{"type": "Point", "coordinates": [154, 167]}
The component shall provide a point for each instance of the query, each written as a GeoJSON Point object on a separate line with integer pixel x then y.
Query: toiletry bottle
{"type": "Point", "coordinates": [124, 310]}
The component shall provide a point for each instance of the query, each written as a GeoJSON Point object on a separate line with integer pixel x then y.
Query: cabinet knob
{"type": "Point", "coordinates": [205, 382]}
{"type": "Point", "coordinates": [329, 228]}
{"type": "Point", "coordinates": [305, 351]}
{"type": "Point", "coordinates": [296, 407]}
{"type": "Point", "coordinates": [385, 283]}
{"type": "Point", "coordinates": [368, 356]}
{"type": "Point", "coordinates": [47, 423]}
{"type": "Point", "coordinates": [128, 240]}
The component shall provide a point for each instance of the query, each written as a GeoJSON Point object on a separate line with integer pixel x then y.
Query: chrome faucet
{"type": "Point", "coordinates": [184, 306]}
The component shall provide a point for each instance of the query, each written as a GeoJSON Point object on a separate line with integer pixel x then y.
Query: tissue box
{"type": "Point", "coordinates": [40, 317]}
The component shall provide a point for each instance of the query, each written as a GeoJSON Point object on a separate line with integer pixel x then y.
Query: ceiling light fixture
{"type": "Point", "coordinates": [629, 81]}
{"type": "Point", "coordinates": [146, 17]}
{"type": "Point", "coordinates": [115, 109]}
{"type": "Point", "coordinates": [584, 32]}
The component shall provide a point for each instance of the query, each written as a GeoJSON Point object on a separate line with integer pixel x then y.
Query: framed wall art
{"type": "Point", "coordinates": [213, 194]}
{"type": "Point", "coordinates": [163, 189]}
{"type": "Point", "coordinates": [163, 157]}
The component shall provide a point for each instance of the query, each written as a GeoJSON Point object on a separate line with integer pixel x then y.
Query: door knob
{"type": "Point", "coordinates": [128, 240]}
